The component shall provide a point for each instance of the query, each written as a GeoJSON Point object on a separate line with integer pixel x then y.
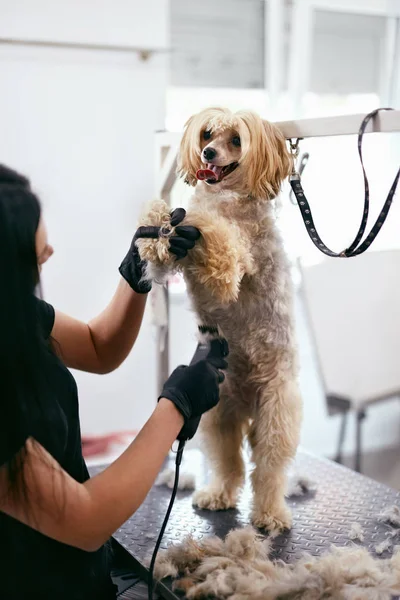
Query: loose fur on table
{"type": "Point", "coordinates": [356, 533]}
{"type": "Point", "coordinates": [187, 481]}
{"type": "Point", "coordinates": [384, 546]}
{"type": "Point", "coordinates": [239, 280]}
{"type": "Point", "coordinates": [390, 515]}
{"type": "Point", "coordinates": [299, 484]}
{"type": "Point", "coordinates": [238, 568]}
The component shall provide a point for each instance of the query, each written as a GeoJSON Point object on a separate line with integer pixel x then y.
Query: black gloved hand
{"type": "Point", "coordinates": [185, 235]}
{"type": "Point", "coordinates": [195, 389]}
{"type": "Point", "coordinates": [132, 267]}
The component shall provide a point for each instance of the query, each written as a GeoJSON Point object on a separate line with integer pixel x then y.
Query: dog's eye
{"type": "Point", "coordinates": [236, 141]}
{"type": "Point", "coordinates": [206, 134]}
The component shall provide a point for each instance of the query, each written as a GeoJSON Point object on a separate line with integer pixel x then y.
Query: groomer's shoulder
{"type": "Point", "coordinates": [46, 316]}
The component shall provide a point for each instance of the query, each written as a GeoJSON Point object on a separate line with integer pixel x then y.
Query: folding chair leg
{"type": "Point", "coordinates": [360, 416]}
{"type": "Point", "coordinates": [342, 433]}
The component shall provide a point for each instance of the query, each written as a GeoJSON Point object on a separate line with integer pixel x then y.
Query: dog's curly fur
{"type": "Point", "coordinates": [238, 279]}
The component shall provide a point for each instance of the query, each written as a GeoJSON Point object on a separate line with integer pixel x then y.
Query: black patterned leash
{"type": "Point", "coordinates": [356, 247]}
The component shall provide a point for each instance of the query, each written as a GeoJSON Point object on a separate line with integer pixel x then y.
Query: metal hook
{"type": "Point", "coordinates": [294, 152]}
{"type": "Point", "coordinates": [294, 147]}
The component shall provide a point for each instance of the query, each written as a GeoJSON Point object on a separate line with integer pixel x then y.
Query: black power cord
{"type": "Point", "coordinates": [178, 461]}
{"type": "Point", "coordinates": [218, 347]}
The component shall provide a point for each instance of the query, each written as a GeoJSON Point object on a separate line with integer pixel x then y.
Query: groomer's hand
{"type": "Point", "coordinates": [185, 235]}
{"type": "Point", "coordinates": [195, 389]}
{"type": "Point", "coordinates": [133, 268]}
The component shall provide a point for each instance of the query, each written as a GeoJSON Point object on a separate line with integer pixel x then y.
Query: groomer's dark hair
{"type": "Point", "coordinates": [22, 346]}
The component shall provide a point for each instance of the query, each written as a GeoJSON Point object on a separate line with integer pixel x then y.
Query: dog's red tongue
{"type": "Point", "coordinates": [205, 174]}
{"type": "Point", "coordinates": [211, 172]}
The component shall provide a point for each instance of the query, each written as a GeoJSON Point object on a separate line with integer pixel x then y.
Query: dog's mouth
{"type": "Point", "coordinates": [214, 174]}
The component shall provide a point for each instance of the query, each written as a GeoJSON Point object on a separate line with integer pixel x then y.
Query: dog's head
{"type": "Point", "coordinates": [237, 151]}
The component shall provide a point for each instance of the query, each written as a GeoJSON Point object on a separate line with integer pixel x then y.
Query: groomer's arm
{"type": "Point", "coordinates": [85, 515]}
{"type": "Point", "coordinates": [101, 345]}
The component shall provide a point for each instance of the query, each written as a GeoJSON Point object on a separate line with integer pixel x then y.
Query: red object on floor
{"type": "Point", "coordinates": [92, 445]}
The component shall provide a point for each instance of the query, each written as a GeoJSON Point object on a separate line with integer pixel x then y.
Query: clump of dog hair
{"type": "Point", "coordinates": [383, 546]}
{"type": "Point", "coordinates": [239, 568]}
{"type": "Point", "coordinates": [164, 566]}
{"type": "Point", "coordinates": [390, 515]}
{"type": "Point", "coordinates": [243, 544]}
{"type": "Point", "coordinates": [299, 484]}
{"type": "Point", "coordinates": [392, 533]}
{"type": "Point", "coordinates": [356, 533]}
{"type": "Point", "coordinates": [187, 481]}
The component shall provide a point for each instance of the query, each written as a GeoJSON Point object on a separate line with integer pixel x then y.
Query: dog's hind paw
{"type": "Point", "coordinates": [211, 498]}
{"type": "Point", "coordinates": [278, 521]}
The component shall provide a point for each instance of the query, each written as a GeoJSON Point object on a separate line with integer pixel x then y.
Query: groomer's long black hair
{"type": "Point", "coordinates": [22, 346]}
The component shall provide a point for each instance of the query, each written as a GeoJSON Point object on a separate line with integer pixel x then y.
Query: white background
{"type": "Point", "coordinates": [80, 124]}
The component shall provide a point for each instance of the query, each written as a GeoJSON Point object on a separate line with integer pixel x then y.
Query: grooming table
{"type": "Point", "coordinates": [320, 518]}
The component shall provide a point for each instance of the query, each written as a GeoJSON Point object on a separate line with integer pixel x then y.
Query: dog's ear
{"type": "Point", "coordinates": [279, 157]}
{"type": "Point", "coordinates": [266, 159]}
{"type": "Point", "coordinates": [188, 159]}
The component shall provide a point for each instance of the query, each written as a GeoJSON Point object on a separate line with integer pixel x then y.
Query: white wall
{"type": "Point", "coordinates": [117, 22]}
{"type": "Point", "coordinates": [80, 124]}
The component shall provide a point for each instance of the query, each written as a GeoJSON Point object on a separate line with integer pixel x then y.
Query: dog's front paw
{"type": "Point", "coordinates": [213, 498]}
{"type": "Point", "coordinates": [156, 251]}
{"type": "Point", "coordinates": [272, 520]}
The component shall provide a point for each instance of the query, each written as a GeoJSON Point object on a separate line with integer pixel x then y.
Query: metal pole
{"type": "Point", "coordinates": [144, 53]}
{"type": "Point", "coordinates": [163, 190]}
{"type": "Point", "coordinates": [163, 345]}
{"type": "Point", "coordinates": [273, 51]}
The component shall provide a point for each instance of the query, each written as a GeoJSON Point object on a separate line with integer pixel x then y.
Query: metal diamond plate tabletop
{"type": "Point", "coordinates": [320, 518]}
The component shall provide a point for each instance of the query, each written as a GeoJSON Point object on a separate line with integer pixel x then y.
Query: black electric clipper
{"type": "Point", "coordinates": [214, 346]}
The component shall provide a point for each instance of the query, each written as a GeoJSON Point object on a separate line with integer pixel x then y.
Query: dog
{"type": "Point", "coordinates": [238, 278]}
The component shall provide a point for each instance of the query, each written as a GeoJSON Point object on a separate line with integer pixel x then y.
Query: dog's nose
{"type": "Point", "coordinates": [209, 153]}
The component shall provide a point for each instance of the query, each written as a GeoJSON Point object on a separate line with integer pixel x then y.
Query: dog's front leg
{"type": "Point", "coordinates": [220, 258]}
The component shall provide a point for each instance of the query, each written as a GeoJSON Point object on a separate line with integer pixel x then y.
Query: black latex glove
{"type": "Point", "coordinates": [132, 267]}
{"type": "Point", "coordinates": [195, 389]}
{"type": "Point", "coordinates": [185, 235]}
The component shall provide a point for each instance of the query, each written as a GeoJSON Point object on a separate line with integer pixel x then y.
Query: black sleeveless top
{"type": "Point", "coordinates": [33, 565]}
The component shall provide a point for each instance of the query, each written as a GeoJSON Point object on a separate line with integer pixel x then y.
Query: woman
{"type": "Point", "coordinates": [54, 520]}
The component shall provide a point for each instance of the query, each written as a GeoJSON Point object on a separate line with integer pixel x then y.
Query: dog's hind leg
{"type": "Point", "coordinates": [274, 437]}
{"type": "Point", "coordinates": [223, 436]}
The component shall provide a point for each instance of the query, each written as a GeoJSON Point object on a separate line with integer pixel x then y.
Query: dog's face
{"type": "Point", "coordinates": [239, 152]}
{"type": "Point", "coordinates": [220, 153]}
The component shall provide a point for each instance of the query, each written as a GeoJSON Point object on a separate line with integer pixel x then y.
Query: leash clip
{"type": "Point", "coordinates": [294, 147]}
{"type": "Point", "coordinates": [294, 151]}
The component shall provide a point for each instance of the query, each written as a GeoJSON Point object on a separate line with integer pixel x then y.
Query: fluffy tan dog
{"type": "Point", "coordinates": [238, 279]}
